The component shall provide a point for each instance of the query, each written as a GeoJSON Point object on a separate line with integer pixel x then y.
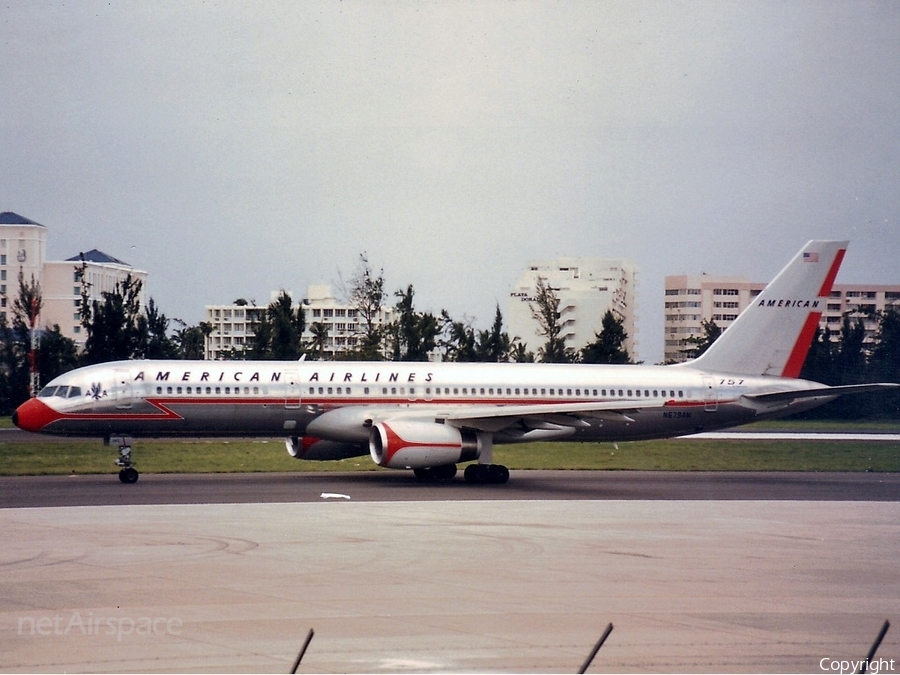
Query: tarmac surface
{"type": "Point", "coordinates": [742, 572]}
{"type": "Point", "coordinates": [387, 485]}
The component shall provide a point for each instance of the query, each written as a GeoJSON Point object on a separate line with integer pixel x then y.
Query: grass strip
{"type": "Point", "coordinates": [58, 457]}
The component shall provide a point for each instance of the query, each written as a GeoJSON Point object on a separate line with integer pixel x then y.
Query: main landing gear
{"type": "Point", "coordinates": [475, 474]}
{"type": "Point", "coordinates": [485, 472]}
{"type": "Point", "coordinates": [436, 474]}
{"type": "Point", "coordinates": [480, 474]}
{"type": "Point", "coordinates": [127, 474]}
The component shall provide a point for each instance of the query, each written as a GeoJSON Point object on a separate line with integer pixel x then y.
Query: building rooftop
{"type": "Point", "coordinates": [10, 218]}
{"type": "Point", "coordinates": [96, 256]}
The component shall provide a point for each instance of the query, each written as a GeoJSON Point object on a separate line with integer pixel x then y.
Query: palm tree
{"type": "Point", "coordinates": [319, 339]}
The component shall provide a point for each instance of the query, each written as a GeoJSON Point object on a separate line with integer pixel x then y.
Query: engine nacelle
{"type": "Point", "coordinates": [309, 447]}
{"type": "Point", "coordinates": [413, 444]}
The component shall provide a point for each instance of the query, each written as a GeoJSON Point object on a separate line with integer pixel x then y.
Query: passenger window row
{"type": "Point", "coordinates": [214, 390]}
{"type": "Point", "coordinates": [508, 391]}
{"type": "Point", "coordinates": [73, 392]}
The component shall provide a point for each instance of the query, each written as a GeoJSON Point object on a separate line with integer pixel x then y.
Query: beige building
{"type": "Point", "coordinates": [692, 299]}
{"type": "Point", "coordinates": [587, 288]}
{"type": "Point", "coordinates": [23, 246]}
{"type": "Point", "coordinates": [62, 288]}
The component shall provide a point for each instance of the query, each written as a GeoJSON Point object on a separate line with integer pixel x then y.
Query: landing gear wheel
{"type": "Point", "coordinates": [476, 474]}
{"type": "Point", "coordinates": [445, 472]}
{"type": "Point", "coordinates": [436, 474]}
{"type": "Point", "coordinates": [480, 474]}
{"type": "Point", "coordinates": [128, 475]}
{"type": "Point", "coordinates": [498, 474]}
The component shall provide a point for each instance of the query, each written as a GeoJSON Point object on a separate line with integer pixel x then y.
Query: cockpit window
{"type": "Point", "coordinates": [74, 392]}
{"type": "Point", "coordinates": [47, 392]}
{"type": "Point", "coordinates": [62, 391]}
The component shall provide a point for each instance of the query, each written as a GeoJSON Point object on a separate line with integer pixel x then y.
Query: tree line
{"type": "Point", "coordinates": [117, 327]}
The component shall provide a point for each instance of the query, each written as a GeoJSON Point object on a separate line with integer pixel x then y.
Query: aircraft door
{"type": "Point", "coordinates": [292, 390]}
{"type": "Point", "coordinates": [124, 390]}
{"type": "Point", "coordinates": [710, 397]}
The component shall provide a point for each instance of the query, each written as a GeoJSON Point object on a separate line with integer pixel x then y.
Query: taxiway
{"type": "Point", "coordinates": [697, 572]}
{"type": "Point", "coordinates": [386, 485]}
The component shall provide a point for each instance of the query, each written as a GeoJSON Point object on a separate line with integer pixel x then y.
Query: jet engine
{"type": "Point", "coordinates": [310, 447]}
{"type": "Point", "coordinates": [416, 444]}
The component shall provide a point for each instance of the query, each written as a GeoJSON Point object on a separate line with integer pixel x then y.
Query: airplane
{"type": "Point", "coordinates": [429, 417]}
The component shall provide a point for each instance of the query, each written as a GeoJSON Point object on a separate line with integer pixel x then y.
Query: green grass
{"type": "Point", "coordinates": [826, 426]}
{"type": "Point", "coordinates": [197, 456]}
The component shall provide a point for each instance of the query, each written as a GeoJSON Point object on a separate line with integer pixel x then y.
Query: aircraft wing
{"type": "Point", "coordinates": [541, 416]}
{"type": "Point", "coordinates": [352, 423]}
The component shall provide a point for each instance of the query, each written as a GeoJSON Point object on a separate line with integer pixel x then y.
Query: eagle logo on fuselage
{"type": "Point", "coordinates": [97, 392]}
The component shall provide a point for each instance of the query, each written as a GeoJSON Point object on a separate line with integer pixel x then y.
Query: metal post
{"type": "Point", "coordinates": [884, 629]}
{"type": "Point", "coordinates": [597, 646]}
{"type": "Point", "coordinates": [309, 638]}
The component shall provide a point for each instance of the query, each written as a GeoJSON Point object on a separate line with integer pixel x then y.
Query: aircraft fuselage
{"type": "Point", "coordinates": [240, 398]}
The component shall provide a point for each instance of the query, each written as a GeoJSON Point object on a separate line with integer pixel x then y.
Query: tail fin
{"type": "Point", "coordinates": [773, 334]}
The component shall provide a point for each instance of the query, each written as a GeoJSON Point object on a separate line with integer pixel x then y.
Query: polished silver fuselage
{"type": "Point", "coordinates": [270, 399]}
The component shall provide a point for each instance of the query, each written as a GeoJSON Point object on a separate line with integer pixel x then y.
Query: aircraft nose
{"type": "Point", "coordinates": [33, 415]}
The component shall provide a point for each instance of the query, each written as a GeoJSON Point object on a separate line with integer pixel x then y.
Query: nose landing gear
{"type": "Point", "coordinates": [127, 474]}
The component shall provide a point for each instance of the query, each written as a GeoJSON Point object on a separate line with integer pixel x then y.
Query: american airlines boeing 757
{"type": "Point", "coordinates": [429, 417]}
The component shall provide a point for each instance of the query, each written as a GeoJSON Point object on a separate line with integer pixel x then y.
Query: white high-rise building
{"type": "Point", "coordinates": [345, 325]}
{"type": "Point", "coordinates": [587, 288]}
{"type": "Point", "coordinates": [232, 328]}
{"type": "Point", "coordinates": [233, 325]}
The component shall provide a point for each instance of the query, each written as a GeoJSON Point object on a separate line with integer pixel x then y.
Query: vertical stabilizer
{"type": "Point", "coordinates": [773, 334]}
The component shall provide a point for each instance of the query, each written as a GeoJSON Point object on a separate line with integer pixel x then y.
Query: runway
{"type": "Point", "coordinates": [227, 573]}
{"type": "Point", "coordinates": [385, 485]}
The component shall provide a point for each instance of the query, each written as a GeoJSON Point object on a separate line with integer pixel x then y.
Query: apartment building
{"type": "Point", "coordinates": [23, 247]}
{"type": "Point", "coordinates": [345, 326]}
{"type": "Point", "coordinates": [692, 299]}
{"type": "Point", "coordinates": [232, 328]}
{"type": "Point", "coordinates": [93, 272]}
{"type": "Point", "coordinates": [233, 325]}
{"type": "Point", "coordinates": [587, 288]}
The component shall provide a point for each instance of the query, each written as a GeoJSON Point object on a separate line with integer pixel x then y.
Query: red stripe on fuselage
{"type": "Point", "coordinates": [35, 415]}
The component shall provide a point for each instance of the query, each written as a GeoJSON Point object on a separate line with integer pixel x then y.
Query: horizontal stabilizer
{"type": "Point", "coordinates": [819, 392]}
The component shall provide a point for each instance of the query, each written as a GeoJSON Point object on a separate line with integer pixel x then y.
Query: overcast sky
{"type": "Point", "coordinates": [232, 149]}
